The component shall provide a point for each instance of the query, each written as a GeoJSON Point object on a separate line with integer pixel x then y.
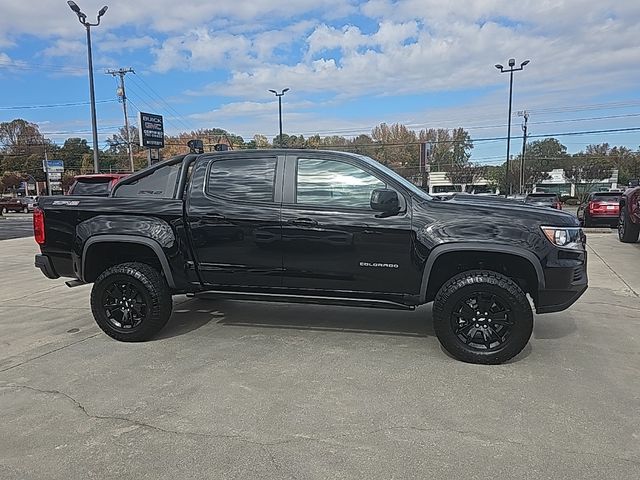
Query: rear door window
{"type": "Point", "coordinates": [244, 179]}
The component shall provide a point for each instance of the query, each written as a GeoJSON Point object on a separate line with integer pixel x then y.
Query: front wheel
{"type": "Point", "coordinates": [628, 232]}
{"type": "Point", "coordinates": [131, 302]}
{"type": "Point", "coordinates": [482, 317]}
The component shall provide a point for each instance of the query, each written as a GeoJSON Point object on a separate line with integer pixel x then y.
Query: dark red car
{"type": "Point", "coordinates": [629, 217]}
{"type": "Point", "coordinates": [600, 208]}
{"type": "Point", "coordinates": [95, 185]}
{"type": "Point", "coordinates": [16, 204]}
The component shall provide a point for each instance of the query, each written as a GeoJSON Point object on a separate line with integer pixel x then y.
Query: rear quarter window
{"type": "Point", "coordinates": [161, 183]}
{"type": "Point", "coordinates": [91, 187]}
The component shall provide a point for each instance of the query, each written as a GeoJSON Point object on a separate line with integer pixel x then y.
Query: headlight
{"type": "Point", "coordinates": [566, 237]}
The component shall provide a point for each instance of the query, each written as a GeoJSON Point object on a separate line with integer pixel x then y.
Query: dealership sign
{"type": "Point", "coordinates": [53, 166]}
{"type": "Point", "coordinates": [151, 129]}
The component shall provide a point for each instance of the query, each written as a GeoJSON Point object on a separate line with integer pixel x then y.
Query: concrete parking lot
{"type": "Point", "coordinates": [16, 225]}
{"type": "Point", "coordinates": [252, 390]}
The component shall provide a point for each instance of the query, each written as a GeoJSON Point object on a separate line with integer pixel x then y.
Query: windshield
{"type": "Point", "coordinates": [398, 178]}
{"type": "Point", "coordinates": [606, 197]}
{"type": "Point", "coordinates": [541, 199]}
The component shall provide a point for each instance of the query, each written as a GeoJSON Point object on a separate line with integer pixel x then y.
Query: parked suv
{"type": "Point", "coordinates": [600, 208]}
{"type": "Point", "coordinates": [316, 227]}
{"type": "Point", "coordinates": [544, 200]}
{"type": "Point", "coordinates": [629, 216]}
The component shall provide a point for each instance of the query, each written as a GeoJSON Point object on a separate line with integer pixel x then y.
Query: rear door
{"type": "Point", "coordinates": [233, 212]}
{"type": "Point", "coordinates": [332, 239]}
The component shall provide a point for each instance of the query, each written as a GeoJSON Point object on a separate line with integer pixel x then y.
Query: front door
{"type": "Point", "coordinates": [332, 239]}
{"type": "Point", "coordinates": [233, 212]}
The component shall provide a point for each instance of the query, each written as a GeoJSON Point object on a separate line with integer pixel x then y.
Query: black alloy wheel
{"type": "Point", "coordinates": [482, 321]}
{"type": "Point", "coordinates": [124, 305]}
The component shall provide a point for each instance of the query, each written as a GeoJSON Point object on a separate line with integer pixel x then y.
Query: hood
{"type": "Point", "coordinates": [500, 210]}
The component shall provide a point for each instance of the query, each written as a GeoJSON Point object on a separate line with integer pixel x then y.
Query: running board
{"type": "Point", "coordinates": [74, 283]}
{"type": "Point", "coordinates": [312, 299]}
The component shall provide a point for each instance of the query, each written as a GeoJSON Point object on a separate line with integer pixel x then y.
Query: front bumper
{"type": "Point", "coordinates": [565, 282]}
{"type": "Point", "coordinates": [46, 267]}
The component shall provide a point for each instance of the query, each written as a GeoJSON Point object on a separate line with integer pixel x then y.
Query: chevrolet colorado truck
{"type": "Point", "coordinates": [316, 227]}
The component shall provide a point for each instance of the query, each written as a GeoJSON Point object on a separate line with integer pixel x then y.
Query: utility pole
{"type": "Point", "coordinates": [122, 95]}
{"type": "Point", "coordinates": [524, 114]}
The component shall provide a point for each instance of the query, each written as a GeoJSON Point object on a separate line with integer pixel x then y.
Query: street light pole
{"type": "Point", "coordinates": [524, 114]}
{"type": "Point", "coordinates": [82, 18]}
{"type": "Point", "coordinates": [512, 63]}
{"type": "Point", "coordinates": [280, 95]}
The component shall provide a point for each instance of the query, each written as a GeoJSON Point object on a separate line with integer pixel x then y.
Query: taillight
{"type": "Point", "coordinates": [595, 207]}
{"type": "Point", "coordinates": [38, 225]}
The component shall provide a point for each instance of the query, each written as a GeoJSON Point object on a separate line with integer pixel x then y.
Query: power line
{"type": "Point", "coordinates": [161, 98]}
{"type": "Point", "coordinates": [53, 105]}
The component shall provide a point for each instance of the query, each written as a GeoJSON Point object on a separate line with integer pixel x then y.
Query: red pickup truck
{"type": "Point", "coordinates": [629, 220]}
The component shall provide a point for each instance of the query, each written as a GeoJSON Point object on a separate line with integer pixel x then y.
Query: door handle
{"type": "Point", "coordinates": [303, 221]}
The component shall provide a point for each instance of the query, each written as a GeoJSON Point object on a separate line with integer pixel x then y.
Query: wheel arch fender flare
{"type": "Point", "coordinates": [148, 242]}
{"type": "Point", "coordinates": [480, 247]}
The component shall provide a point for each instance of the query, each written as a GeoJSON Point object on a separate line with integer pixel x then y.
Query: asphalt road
{"type": "Point", "coordinates": [16, 225]}
{"type": "Point", "coordinates": [240, 390]}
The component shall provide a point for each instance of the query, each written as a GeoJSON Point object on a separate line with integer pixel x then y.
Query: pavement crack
{"type": "Point", "coordinates": [265, 446]}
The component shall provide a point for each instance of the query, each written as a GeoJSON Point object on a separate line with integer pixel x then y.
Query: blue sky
{"type": "Point", "coordinates": [350, 65]}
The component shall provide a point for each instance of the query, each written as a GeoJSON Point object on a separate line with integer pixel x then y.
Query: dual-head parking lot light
{"type": "Point", "coordinates": [280, 95]}
{"type": "Point", "coordinates": [82, 18]}
{"type": "Point", "coordinates": [512, 63]}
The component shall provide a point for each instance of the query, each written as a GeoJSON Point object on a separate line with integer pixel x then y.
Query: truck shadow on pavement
{"type": "Point", "coordinates": [195, 313]}
{"type": "Point", "coordinates": [192, 314]}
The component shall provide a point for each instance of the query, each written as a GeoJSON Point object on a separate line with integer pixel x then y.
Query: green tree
{"type": "Point", "coordinates": [586, 173]}
{"type": "Point", "coordinates": [19, 137]}
{"type": "Point", "coordinates": [72, 152]}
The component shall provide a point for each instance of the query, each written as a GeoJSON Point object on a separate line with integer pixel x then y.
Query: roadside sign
{"type": "Point", "coordinates": [55, 176]}
{"type": "Point", "coordinates": [151, 129]}
{"type": "Point", "coordinates": [53, 166]}
{"type": "Point", "coordinates": [55, 186]}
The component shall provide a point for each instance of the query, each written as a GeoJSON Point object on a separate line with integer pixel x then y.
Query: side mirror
{"type": "Point", "coordinates": [385, 200]}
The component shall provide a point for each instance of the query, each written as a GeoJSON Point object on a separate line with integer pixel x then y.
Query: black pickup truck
{"type": "Point", "coordinates": [316, 227]}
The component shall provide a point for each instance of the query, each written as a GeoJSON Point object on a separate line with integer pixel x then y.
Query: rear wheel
{"type": "Point", "coordinates": [483, 317]}
{"type": "Point", "coordinates": [628, 232]}
{"type": "Point", "coordinates": [131, 302]}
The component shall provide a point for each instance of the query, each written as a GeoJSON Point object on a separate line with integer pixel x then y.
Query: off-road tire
{"type": "Point", "coordinates": [483, 282]}
{"type": "Point", "coordinates": [152, 287]}
{"type": "Point", "coordinates": [628, 231]}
